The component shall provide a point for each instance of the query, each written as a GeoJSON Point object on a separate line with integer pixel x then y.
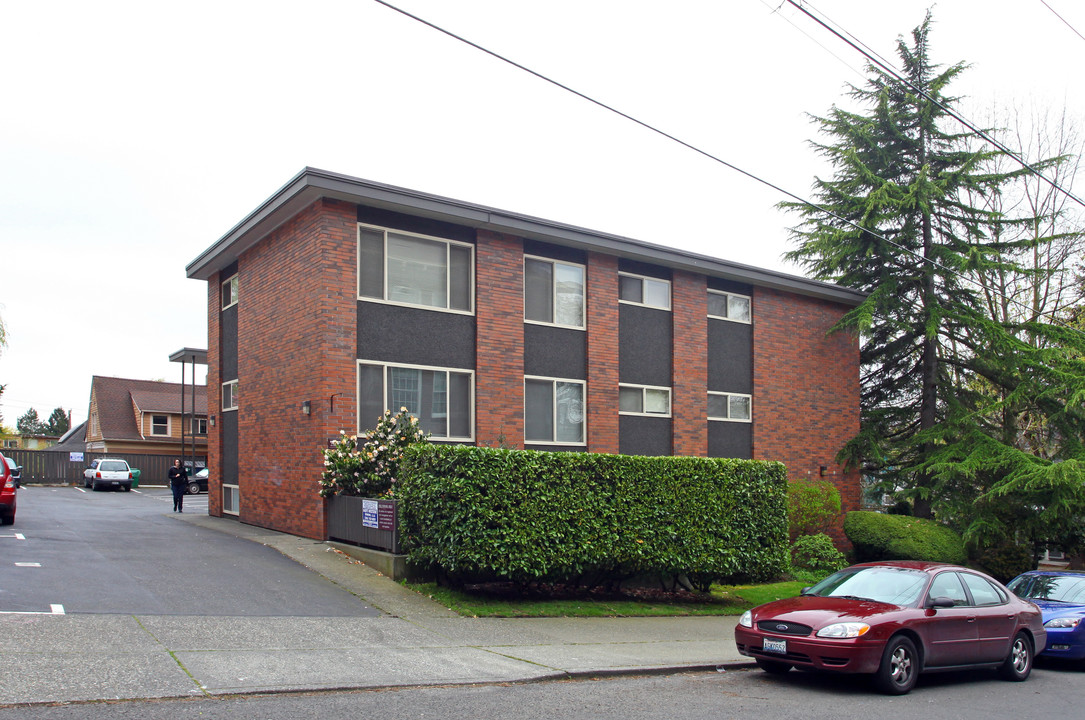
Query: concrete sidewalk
{"type": "Point", "coordinates": [71, 658]}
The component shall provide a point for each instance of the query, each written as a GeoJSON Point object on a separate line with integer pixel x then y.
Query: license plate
{"type": "Point", "coordinates": [775, 646]}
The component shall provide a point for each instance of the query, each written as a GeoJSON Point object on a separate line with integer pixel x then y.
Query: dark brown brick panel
{"type": "Point", "coordinates": [689, 307]}
{"type": "Point", "coordinates": [602, 339]}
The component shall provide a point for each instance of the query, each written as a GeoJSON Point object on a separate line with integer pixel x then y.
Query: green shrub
{"type": "Point", "coordinates": [527, 516]}
{"type": "Point", "coordinates": [898, 537]}
{"type": "Point", "coordinates": [1006, 560]}
{"type": "Point", "coordinates": [817, 554]}
{"type": "Point", "coordinates": [813, 506]}
{"type": "Point", "coordinates": [368, 466]}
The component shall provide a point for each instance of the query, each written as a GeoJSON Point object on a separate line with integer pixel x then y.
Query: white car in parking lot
{"type": "Point", "coordinates": [108, 473]}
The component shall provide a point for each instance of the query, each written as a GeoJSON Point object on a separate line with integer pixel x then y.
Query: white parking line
{"type": "Point", "coordinates": [54, 609]}
{"type": "Point", "coordinates": [17, 536]}
{"type": "Point", "coordinates": [27, 564]}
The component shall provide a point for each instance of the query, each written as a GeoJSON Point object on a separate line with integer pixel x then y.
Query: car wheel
{"type": "Point", "coordinates": [7, 519]}
{"type": "Point", "coordinates": [127, 488]}
{"type": "Point", "coordinates": [94, 486]}
{"type": "Point", "coordinates": [1018, 663]}
{"type": "Point", "coordinates": [193, 488]}
{"type": "Point", "coordinates": [86, 483]}
{"type": "Point", "coordinates": [773, 667]}
{"type": "Point", "coordinates": [900, 666]}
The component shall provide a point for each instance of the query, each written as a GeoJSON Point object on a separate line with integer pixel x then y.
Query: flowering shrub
{"type": "Point", "coordinates": [367, 465]}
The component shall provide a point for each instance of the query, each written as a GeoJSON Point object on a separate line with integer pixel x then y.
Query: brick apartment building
{"type": "Point", "coordinates": [340, 297]}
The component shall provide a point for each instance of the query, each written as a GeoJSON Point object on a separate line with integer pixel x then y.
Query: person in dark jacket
{"type": "Point", "coordinates": [178, 483]}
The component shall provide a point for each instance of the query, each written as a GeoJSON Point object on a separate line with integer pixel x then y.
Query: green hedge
{"type": "Point", "coordinates": [530, 516]}
{"type": "Point", "coordinates": [877, 536]}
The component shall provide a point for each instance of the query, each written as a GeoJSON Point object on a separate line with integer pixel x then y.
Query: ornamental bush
{"type": "Point", "coordinates": [877, 536]}
{"type": "Point", "coordinates": [817, 554]}
{"type": "Point", "coordinates": [813, 506]}
{"type": "Point", "coordinates": [478, 513]}
{"type": "Point", "coordinates": [368, 465]}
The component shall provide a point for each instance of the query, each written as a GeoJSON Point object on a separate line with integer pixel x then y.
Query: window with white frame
{"type": "Point", "coordinates": [553, 411]}
{"type": "Point", "coordinates": [643, 290]}
{"type": "Point", "coordinates": [409, 269]}
{"type": "Point", "coordinates": [643, 400]}
{"type": "Point", "coordinates": [229, 292]}
{"type": "Point", "coordinates": [553, 292]}
{"type": "Point", "coordinates": [229, 395]}
{"type": "Point", "coordinates": [729, 306]}
{"type": "Point", "coordinates": [199, 426]}
{"type": "Point", "coordinates": [160, 424]}
{"type": "Point", "coordinates": [729, 406]}
{"type": "Point", "coordinates": [441, 398]}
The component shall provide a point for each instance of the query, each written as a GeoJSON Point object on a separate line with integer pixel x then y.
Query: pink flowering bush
{"type": "Point", "coordinates": [367, 465]}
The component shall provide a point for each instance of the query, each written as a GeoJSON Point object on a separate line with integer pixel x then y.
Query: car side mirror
{"type": "Point", "coordinates": [806, 590]}
{"type": "Point", "coordinates": [941, 602]}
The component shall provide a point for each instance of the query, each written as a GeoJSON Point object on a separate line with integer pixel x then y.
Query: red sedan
{"type": "Point", "coordinates": [895, 620]}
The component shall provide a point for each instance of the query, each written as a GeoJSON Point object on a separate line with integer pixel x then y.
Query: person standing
{"type": "Point", "coordinates": [178, 483]}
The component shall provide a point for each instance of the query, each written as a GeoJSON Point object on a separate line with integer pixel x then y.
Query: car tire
{"type": "Point", "coordinates": [1018, 664]}
{"type": "Point", "coordinates": [93, 486]}
{"type": "Point", "coordinates": [193, 488]}
{"type": "Point", "coordinates": [773, 667]}
{"type": "Point", "coordinates": [86, 483]}
{"type": "Point", "coordinates": [900, 666]}
{"type": "Point", "coordinates": [127, 488]}
{"type": "Point", "coordinates": [8, 519]}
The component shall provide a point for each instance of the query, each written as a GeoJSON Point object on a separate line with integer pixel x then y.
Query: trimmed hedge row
{"type": "Point", "coordinates": [529, 516]}
{"type": "Point", "coordinates": [898, 537]}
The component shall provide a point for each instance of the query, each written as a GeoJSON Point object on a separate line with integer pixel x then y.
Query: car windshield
{"type": "Point", "coordinates": [1060, 588]}
{"type": "Point", "coordinates": [898, 586]}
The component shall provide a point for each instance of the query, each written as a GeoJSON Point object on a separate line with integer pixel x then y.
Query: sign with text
{"type": "Point", "coordinates": [75, 457]}
{"type": "Point", "coordinates": [386, 516]}
{"type": "Point", "coordinates": [370, 513]}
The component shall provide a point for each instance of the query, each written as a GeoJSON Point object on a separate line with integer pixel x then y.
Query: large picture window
{"type": "Point", "coordinates": [553, 292]}
{"type": "Point", "coordinates": [729, 406]}
{"type": "Point", "coordinates": [643, 400]}
{"type": "Point", "coordinates": [407, 269]}
{"type": "Point", "coordinates": [553, 411]}
{"type": "Point", "coordinates": [440, 398]}
{"type": "Point", "coordinates": [728, 306]}
{"type": "Point", "coordinates": [642, 290]}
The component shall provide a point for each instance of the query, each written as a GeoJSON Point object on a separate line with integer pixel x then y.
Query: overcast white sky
{"type": "Point", "coordinates": [134, 134]}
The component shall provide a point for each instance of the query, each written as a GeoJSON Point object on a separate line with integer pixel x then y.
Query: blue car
{"type": "Point", "coordinates": [1061, 598]}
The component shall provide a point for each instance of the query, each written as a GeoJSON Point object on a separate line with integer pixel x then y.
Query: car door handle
{"type": "Point", "coordinates": [972, 619]}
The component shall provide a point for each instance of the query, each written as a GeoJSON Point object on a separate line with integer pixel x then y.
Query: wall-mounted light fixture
{"type": "Point", "coordinates": [212, 421]}
{"type": "Point", "coordinates": [306, 408]}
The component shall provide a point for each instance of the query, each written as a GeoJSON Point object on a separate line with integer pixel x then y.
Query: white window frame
{"type": "Point", "coordinates": [554, 293]}
{"type": "Point", "coordinates": [730, 395]}
{"type": "Point", "coordinates": [232, 282]}
{"type": "Point", "coordinates": [233, 395]}
{"type": "Point", "coordinates": [169, 425]}
{"type": "Point", "coordinates": [642, 278]}
{"type": "Point", "coordinates": [433, 368]}
{"type": "Point", "coordinates": [554, 412]}
{"type": "Point", "coordinates": [231, 507]}
{"type": "Point", "coordinates": [384, 270]}
{"type": "Point", "coordinates": [730, 295]}
{"type": "Point", "coordinates": [643, 404]}
{"type": "Point", "coordinates": [199, 426]}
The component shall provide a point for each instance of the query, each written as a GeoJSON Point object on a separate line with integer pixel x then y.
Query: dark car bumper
{"type": "Point", "coordinates": [846, 656]}
{"type": "Point", "coordinates": [1068, 644]}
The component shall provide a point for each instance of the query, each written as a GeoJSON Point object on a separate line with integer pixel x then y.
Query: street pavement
{"type": "Point", "coordinates": [416, 642]}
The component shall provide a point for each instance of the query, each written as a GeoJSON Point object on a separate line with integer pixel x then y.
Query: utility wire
{"type": "Point", "coordinates": [1060, 17]}
{"type": "Point", "coordinates": [705, 153]}
{"type": "Point", "coordinates": [887, 68]}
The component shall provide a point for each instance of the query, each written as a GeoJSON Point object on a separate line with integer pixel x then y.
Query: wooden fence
{"type": "Point", "coordinates": [57, 468]}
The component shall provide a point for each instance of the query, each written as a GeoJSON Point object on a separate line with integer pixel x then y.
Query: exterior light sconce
{"type": "Point", "coordinates": [306, 408]}
{"type": "Point", "coordinates": [212, 421]}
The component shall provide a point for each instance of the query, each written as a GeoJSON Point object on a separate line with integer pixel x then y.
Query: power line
{"type": "Point", "coordinates": [1060, 17]}
{"type": "Point", "coordinates": [721, 161]}
{"type": "Point", "coordinates": [890, 70]}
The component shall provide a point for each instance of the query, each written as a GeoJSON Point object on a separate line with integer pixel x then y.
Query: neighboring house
{"type": "Point", "coordinates": [339, 297]}
{"type": "Point", "coordinates": [75, 440]}
{"type": "Point", "coordinates": [26, 441]}
{"type": "Point", "coordinates": [145, 417]}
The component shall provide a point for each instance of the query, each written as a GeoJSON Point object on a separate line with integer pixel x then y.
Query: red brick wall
{"type": "Point", "coordinates": [499, 342]}
{"type": "Point", "coordinates": [214, 400]}
{"type": "Point", "coordinates": [297, 327]}
{"type": "Point", "coordinates": [602, 340]}
{"type": "Point", "coordinates": [689, 306]}
{"type": "Point", "coordinates": [806, 388]}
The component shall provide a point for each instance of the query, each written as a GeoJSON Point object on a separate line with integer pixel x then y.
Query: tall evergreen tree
{"type": "Point", "coordinates": [58, 422]}
{"type": "Point", "coordinates": [909, 225]}
{"type": "Point", "coordinates": [29, 424]}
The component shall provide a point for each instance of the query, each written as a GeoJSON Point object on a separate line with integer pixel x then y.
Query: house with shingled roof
{"type": "Point", "coordinates": [146, 417]}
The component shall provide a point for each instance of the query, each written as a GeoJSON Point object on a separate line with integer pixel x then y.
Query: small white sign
{"type": "Point", "coordinates": [369, 514]}
{"type": "Point", "coordinates": [75, 457]}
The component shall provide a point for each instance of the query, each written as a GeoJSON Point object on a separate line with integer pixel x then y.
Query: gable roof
{"type": "Point", "coordinates": [74, 439]}
{"type": "Point", "coordinates": [119, 399]}
{"type": "Point", "coordinates": [311, 184]}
